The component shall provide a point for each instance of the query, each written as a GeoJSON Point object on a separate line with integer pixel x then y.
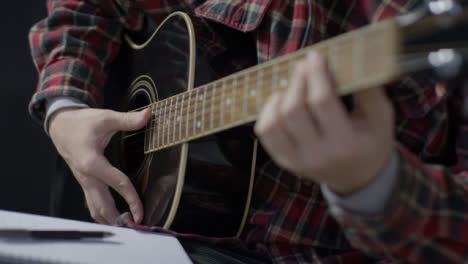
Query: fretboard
{"type": "Point", "coordinates": [359, 59]}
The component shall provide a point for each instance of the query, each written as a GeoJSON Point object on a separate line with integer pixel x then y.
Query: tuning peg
{"type": "Point", "coordinates": [444, 7]}
{"type": "Point", "coordinates": [446, 63]}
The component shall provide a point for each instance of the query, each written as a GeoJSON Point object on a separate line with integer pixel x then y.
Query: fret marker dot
{"type": "Point", "coordinates": [198, 124]}
{"type": "Point", "coordinates": [253, 92]}
{"type": "Point", "coordinates": [228, 101]}
{"type": "Point", "coordinates": [200, 98]}
{"type": "Point", "coordinates": [178, 118]}
{"type": "Point", "coordinates": [284, 83]}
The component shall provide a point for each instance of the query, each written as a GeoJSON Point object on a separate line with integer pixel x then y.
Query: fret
{"type": "Point", "coordinates": [203, 109]}
{"type": "Point", "coordinates": [195, 113]}
{"type": "Point", "coordinates": [160, 125]}
{"type": "Point", "coordinates": [258, 100]}
{"type": "Point", "coordinates": [252, 96]}
{"type": "Point", "coordinates": [228, 100]}
{"type": "Point", "coordinates": [267, 88]}
{"type": "Point", "coordinates": [223, 90]}
{"type": "Point", "coordinates": [181, 116]}
{"type": "Point", "coordinates": [291, 66]}
{"type": "Point", "coordinates": [213, 99]}
{"type": "Point", "coordinates": [174, 130]}
{"type": "Point", "coordinates": [169, 122]}
{"type": "Point", "coordinates": [147, 134]}
{"type": "Point", "coordinates": [344, 63]}
{"type": "Point", "coordinates": [274, 77]}
{"type": "Point", "coordinates": [285, 77]}
{"type": "Point", "coordinates": [165, 122]}
{"type": "Point", "coordinates": [156, 127]}
{"type": "Point", "coordinates": [233, 92]}
{"type": "Point", "coordinates": [153, 130]}
{"type": "Point", "coordinates": [245, 95]}
{"type": "Point", "coordinates": [358, 52]}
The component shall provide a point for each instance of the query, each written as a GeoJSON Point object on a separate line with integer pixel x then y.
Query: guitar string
{"type": "Point", "coordinates": [266, 67]}
{"type": "Point", "coordinates": [214, 85]}
{"type": "Point", "coordinates": [217, 103]}
{"type": "Point", "coordinates": [324, 47]}
{"type": "Point", "coordinates": [210, 85]}
{"type": "Point", "coordinates": [268, 70]}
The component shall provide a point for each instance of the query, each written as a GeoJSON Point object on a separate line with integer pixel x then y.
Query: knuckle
{"type": "Point", "coordinates": [126, 189]}
{"type": "Point", "coordinates": [87, 165]}
{"type": "Point", "coordinates": [316, 60]}
{"type": "Point", "coordinates": [261, 127]}
{"type": "Point", "coordinates": [291, 110]}
{"type": "Point", "coordinates": [265, 127]}
{"type": "Point", "coordinates": [321, 100]}
{"type": "Point", "coordinates": [301, 67]}
{"type": "Point", "coordinates": [106, 214]}
{"type": "Point", "coordinates": [106, 117]}
{"type": "Point", "coordinates": [126, 119]}
{"type": "Point", "coordinates": [103, 212]}
{"type": "Point", "coordinates": [123, 186]}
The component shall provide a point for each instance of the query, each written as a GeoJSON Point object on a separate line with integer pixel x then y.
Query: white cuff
{"type": "Point", "coordinates": [373, 198]}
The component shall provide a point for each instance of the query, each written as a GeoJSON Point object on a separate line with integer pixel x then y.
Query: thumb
{"type": "Point", "coordinates": [131, 120]}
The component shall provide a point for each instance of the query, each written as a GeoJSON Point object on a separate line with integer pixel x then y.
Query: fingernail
{"type": "Point", "coordinates": [137, 217]}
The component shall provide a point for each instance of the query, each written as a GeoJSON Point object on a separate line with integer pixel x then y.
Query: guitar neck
{"type": "Point", "coordinates": [360, 59]}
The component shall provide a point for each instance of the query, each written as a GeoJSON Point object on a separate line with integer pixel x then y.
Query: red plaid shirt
{"type": "Point", "coordinates": [426, 218]}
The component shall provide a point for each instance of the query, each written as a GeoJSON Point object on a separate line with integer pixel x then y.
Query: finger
{"type": "Point", "coordinates": [100, 203]}
{"type": "Point", "coordinates": [299, 122]}
{"type": "Point", "coordinates": [271, 133]}
{"type": "Point", "coordinates": [323, 100]}
{"type": "Point", "coordinates": [103, 207]}
{"type": "Point", "coordinates": [116, 179]}
{"type": "Point", "coordinates": [129, 121]}
{"type": "Point", "coordinates": [373, 106]}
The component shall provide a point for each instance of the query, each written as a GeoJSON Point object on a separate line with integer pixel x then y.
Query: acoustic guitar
{"type": "Point", "coordinates": [194, 162]}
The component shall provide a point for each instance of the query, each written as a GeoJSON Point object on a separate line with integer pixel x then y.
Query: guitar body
{"type": "Point", "coordinates": [201, 187]}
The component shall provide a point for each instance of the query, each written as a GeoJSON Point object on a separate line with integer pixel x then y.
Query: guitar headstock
{"type": "Point", "coordinates": [435, 38]}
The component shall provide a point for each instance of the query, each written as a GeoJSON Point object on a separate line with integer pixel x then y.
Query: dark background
{"type": "Point", "coordinates": [27, 154]}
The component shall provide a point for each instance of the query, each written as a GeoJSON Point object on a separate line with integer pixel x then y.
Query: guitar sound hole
{"type": "Point", "coordinates": [132, 145]}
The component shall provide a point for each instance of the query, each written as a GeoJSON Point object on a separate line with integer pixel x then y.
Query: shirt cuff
{"type": "Point", "coordinates": [373, 198]}
{"type": "Point", "coordinates": [58, 103]}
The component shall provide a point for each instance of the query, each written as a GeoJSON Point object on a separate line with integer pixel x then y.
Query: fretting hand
{"type": "Point", "coordinates": [308, 131]}
{"type": "Point", "coordinates": [80, 136]}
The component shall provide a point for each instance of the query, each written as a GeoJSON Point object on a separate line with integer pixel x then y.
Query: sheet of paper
{"type": "Point", "coordinates": [126, 246]}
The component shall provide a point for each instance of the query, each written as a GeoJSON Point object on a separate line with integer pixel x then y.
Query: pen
{"type": "Point", "coordinates": [51, 234]}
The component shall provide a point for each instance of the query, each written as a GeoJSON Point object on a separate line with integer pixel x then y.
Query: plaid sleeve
{"type": "Point", "coordinates": [426, 218]}
{"type": "Point", "coordinates": [73, 47]}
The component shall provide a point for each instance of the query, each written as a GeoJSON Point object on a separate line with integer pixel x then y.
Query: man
{"type": "Point", "coordinates": [391, 203]}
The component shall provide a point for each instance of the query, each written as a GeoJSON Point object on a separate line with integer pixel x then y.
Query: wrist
{"type": "Point", "coordinates": [58, 103]}
{"type": "Point", "coordinates": [355, 182]}
{"type": "Point", "coordinates": [55, 118]}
